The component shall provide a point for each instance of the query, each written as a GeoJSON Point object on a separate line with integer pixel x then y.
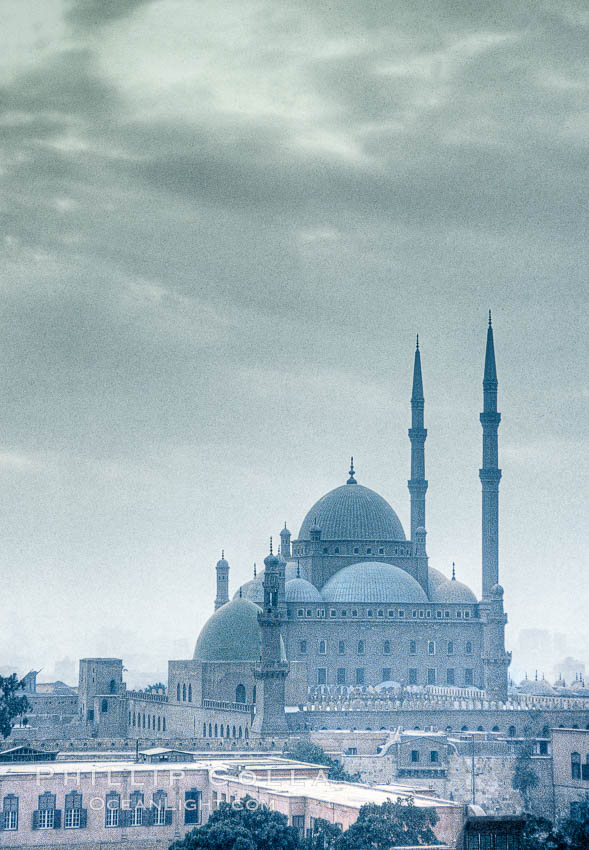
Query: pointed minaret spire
{"type": "Point", "coordinates": [417, 435]}
{"type": "Point", "coordinates": [351, 479]}
{"type": "Point", "coordinates": [271, 546]}
{"type": "Point", "coordinates": [298, 568]}
{"type": "Point", "coordinates": [255, 570]}
{"type": "Point", "coordinates": [453, 571]}
{"type": "Point", "coordinates": [490, 474]}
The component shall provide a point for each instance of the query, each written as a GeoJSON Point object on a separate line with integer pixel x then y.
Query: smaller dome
{"type": "Point", "coordinates": [497, 590]}
{"type": "Point", "coordinates": [231, 634]}
{"type": "Point", "coordinates": [446, 591]}
{"type": "Point", "coordinates": [420, 530]}
{"type": "Point", "coordinates": [271, 560]}
{"type": "Point", "coordinates": [285, 532]}
{"type": "Point", "coordinates": [372, 581]}
{"type": "Point", "coordinates": [300, 590]}
{"type": "Point", "coordinates": [222, 562]}
{"type": "Point", "coordinates": [537, 688]}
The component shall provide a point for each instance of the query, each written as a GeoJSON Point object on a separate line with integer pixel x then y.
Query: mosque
{"type": "Point", "coordinates": [352, 601]}
{"type": "Point", "coordinates": [346, 627]}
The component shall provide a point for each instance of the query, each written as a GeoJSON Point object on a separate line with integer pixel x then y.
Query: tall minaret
{"type": "Point", "coordinates": [222, 582]}
{"type": "Point", "coordinates": [417, 434]}
{"type": "Point", "coordinates": [490, 474]}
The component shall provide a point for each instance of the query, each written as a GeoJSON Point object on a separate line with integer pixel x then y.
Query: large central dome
{"type": "Point", "coordinates": [353, 512]}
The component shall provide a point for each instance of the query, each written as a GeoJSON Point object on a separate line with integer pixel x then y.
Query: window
{"type": "Point", "coordinates": [428, 614]}
{"type": "Point", "coordinates": [341, 647]}
{"type": "Point", "coordinates": [344, 613]}
{"type": "Point", "coordinates": [414, 614]}
{"type": "Point", "coordinates": [184, 693]}
{"type": "Point", "coordinates": [322, 647]}
{"type": "Point", "coordinates": [439, 615]}
{"type": "Point", "coordinates": [240, 693]}
{"type": "Point", "coordinates": [431, 647]}
{"type": "Point", "coordinates": [412, 647]}
{"type": "Point", "coordinates": [401, 615]}
{"type": "Point", "coordinates": [370, 612]}
{"type": "Point", "coordinates": [136, 808]}
{"type": "Point", "coordinates": [450, 647]}
{"type": "Point", "coordinates": [359, 675]}
{"type": "Point", "coordinates": [381, 550]}
{"type": "Point", "coordinates": [356, 550]}
{"type": "Point", "coordinates": [9, 815]}
{"type": "Point", "coordinates": [104, 706]}
{"type": "Point", "coordinates": [380, 612]}
{"type": "Point", "coordinates": [467, 615]}
{"type": "Point", "coordinates": [112, 808]}
{"type": "Point", "coordinates": [354, 612]}
{"type": "Point", "coordinates": [321, 675]}
{"type": "Point", "coordinates": [431, 675]}
{"type": "Point", "coordinates": [341, 676]}
{"type": "Point", "coordinates": [361, 647]}
{"type": "Point", "coordinates": [192, 806]}
{"type": "Point", "coordinates": [300, 613]}
{"type": "Point", "coordinates": [412, 676]}
{"type": "Point", "coordinates": [74, 815]}
{"type": "Point", "coordinates": [189, 693]}
{"type": "Point", "coordinates": [450, 679]}
{"type": "Point", "coordinates": [332, 612]}
{"type": "Point", "coordinates": [298, 822]}
{"type": "Point", "coordinates": [325, 550]}
{"type": "Point", "coordinates": [178, 692]}
{"type": "Point", "coordinates": [303, 647]}
{"type": "Point", "coordinates": [310, 613]}
{"type": "Point", "coordinates": [391, 613]}
{"type": "Point", "coordinates": [386, 674]}
{"type": "Point", "coordinates": [468, 647]}
{"type": "Point", "coordinates": [336, 550]}
{"type": "Point", "coordinates": [415, 756]}
{"type": "Point", "coordinates": [446, 614]}
{"type": "Point", "coordinates": [369, 550]}
{"type": "Point", "coordinates": [387, 647]}
{"type": "Point", "coordinates": [468, 677]}
{"type": "Point", "coordinates": [434, 756]}
{"type": "Point", "coordinates": [512, 732]}
{"type": "Point", "coordinates": [421, 614]}
{"type": "Point", "coordinates": [575, 766]}
{"type": "Point", "coordinates": [47, 816]}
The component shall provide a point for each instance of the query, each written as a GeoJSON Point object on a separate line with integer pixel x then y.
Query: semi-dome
{"type": "Point", "coordinates": [537, 687]}
{"type": "Point", "coordinates": [232, 634]}
{"type": "Point", "coordinates": [436, 579]}
{"type": "Point", "coordinates": [372, 581]}
{"type": "Point", "coordinates": [301, 590]}
{"type": "Point", "coordinates": [352, 512]}
{"type": "Point", "coordinates": [254, 588]}
{"type": "Point", "coordinates": [453, 592]}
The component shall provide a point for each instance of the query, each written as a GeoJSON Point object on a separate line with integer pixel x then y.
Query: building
{"type": "Point", "coordinates": [570, 753]}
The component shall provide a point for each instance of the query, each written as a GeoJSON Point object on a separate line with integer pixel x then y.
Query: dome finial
{"type": "Point", "coordinates": [351, 479]}
{"type": "Point", "coordinates": [255, 570]}
{"type": "Point", "coordinates": [271, 546]}
{"type": "Point", "coordinates": [222, 554]}
{"type": "Point", "coordinates": [240, 593]}
{"type": "Point", "coordinates": [298, 568]}
{"type": "Point", "coordinates": [536, 675]}
{"type": "Point", "coordinates": [453, 571]}
{"type": "Point", "coordinates": [490, 322]}
{"type": "Point", "coordinates": [417, 342]}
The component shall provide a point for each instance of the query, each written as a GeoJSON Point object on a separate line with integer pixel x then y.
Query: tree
{"type": "Point", "coordinates": [246, 825]}
{"type": "Point", "coordinates": [391, 824]}
{"type": "Point", "coordinates": [325, 836]}
{"type": "Point", "coordinates": [538, 834]}
{"type": "Point", "coordinates": [306, 751]}
{"type": "Point", "coordinates": [11, 705]}
{"type": "Point", "coordinates": [575, 831]}
{"type": "Point", "coordinates": [525, 778]}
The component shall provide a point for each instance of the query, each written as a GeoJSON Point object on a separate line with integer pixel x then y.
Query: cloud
{"type": "Point", "coordinates": [87, 14]}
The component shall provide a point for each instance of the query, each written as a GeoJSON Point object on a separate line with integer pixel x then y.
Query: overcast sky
{"type": "Point", "coordinates": [223, 224]}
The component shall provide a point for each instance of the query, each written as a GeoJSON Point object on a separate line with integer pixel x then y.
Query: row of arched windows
{"type": "Point", "coordinates": [183, 693]}
{"type": "Point", "coordinates": [220, 730]}
{"type": "Point", "coordinates": [386, 647]}
{"type": "Point", "coordinates": [141, 720]}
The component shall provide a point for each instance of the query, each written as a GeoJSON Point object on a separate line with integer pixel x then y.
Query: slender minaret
{"type": "Point", "coordinates": [285, 542]}
{"type": "Point", "coordinates": [272, 668]}
{"type": "Point", "coordinates": [417, 434]}
{"type": "Point", "coordinates": [222, 582]}
{"type": "Point", "coordinates": [490, 474]}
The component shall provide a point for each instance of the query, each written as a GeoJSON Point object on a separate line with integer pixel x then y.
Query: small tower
{"type": "Point", "coordinates": [285, 542]}
{"type": "Point", "coordinates": [272, 669]}
{"type": "Point", "coordinates": [490, 474]}
{"type": "Point", "coordinates": [417, 435]}
{"type": "Point", "coordinates": [222, 582]}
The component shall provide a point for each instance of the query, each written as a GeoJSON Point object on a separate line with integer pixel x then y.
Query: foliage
{"type": "Point", "coordinates": [538, 833]}
{"type": "Point", "coordinates": [158, 687]}
{"type": "Point", "coordinates": [575, 831]}
{"type": "Point", "coordinates": [306, 751]}
{"type": "Point", "coordinates": [524, 777]}
{"type": "Point", "coordinates": [325, 836]}
{"type": "Point", "coordinates": [242, 826]}
{"type": "Point", "coordinates": [11, 705]}
{"type": "Point", "coordinates": [391, 824]}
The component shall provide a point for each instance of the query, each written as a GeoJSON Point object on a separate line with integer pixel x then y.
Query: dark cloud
{"type": "Point", "coordinates": [87, 14]}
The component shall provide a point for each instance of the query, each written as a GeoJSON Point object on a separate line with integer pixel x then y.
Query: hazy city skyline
{"type": "Point", "coordinates": [221, 233]}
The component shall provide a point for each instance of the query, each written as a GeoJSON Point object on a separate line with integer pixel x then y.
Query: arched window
{"type": "Point", "coordinates": [360, 647]}
{"type": "Point", "coordinates": [234, 732]}
{"type": "Point", "coordinates": [222, 731]}
{"type": "Point", "coordinates": [464, 729]}
{"type": "Point", "coordinates": [210, 730]}
{"type": "Point", "coordinates": [512, 732]}
{"type": "Point", "coordinates": [240, 693]}
{"type": "Point", "coordinates": [495, 729]}
{"type": "Point", "coordinates": [322, 647]}
{"type": "Point", "coordinates": [247, 733]}
{"type": "Point", "coordinates": [178, 692]}
{"type": "Point", "coordinates": [189, 693]}
{"type": "Point", "coordinates": [149, 721]}
{"type": "Point", "coordinates": [164, 725]}
{"type": "Point", "coordinates": [216, 730]}
{"type": "Point", "coordinates": [159, 724]}
{"type": "Point", "coordinates": [204, 730]}
{"type": "Point", "coordinates": [184, 693]}
{"type": "Point", "coordinates": [450, 647]}
{"type": "Point", "coordinates": [469, 647]}
{"type": "Point", "coordinates": [239, 734]}
{"type": "Point", "coordinates": [134, 718]}
{"type": "Point", "coordinates": [387, 647]}
{"type": "Point", "coordinates": [575, 766]}
{"type": "Point", "coordinates": [143, 720]}
{"type": "Point", "coordinates": [104, 706]}
{"type": "Point", "coordinates": [254, 695]}
{"type": "Point", "coordinates": [112, 687]}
